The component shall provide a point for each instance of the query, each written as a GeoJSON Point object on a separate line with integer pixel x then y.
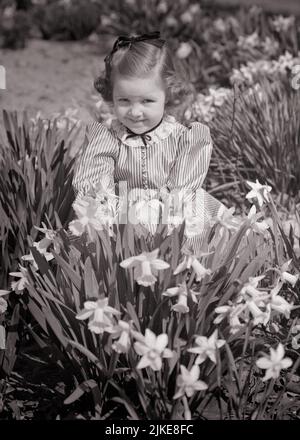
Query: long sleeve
{"type": "Point", "coordinates": [188, 173]}
{"type": "Point", "coordinates": [97, 159]}
{"type": "Point", "coordinates": [193, 157]}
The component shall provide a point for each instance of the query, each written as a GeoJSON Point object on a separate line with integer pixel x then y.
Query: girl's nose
{"type": "Point", "coordinates": [136, 110]}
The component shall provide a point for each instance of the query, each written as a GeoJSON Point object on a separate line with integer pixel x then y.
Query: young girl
{"type": "Point", "coordinates": [145, 147]}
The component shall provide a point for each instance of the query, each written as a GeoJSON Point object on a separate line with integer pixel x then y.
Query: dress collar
{"type": "Point", "coordinates": [162, 131]}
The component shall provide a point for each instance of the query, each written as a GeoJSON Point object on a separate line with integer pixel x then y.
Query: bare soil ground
{"type": "Point", "coordinates": [50, 76]}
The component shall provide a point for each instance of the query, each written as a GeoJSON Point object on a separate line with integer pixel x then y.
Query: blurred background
{"type": "Point", "coordinates": [53, 49]}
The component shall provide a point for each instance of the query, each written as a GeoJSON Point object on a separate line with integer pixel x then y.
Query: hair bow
{"type": "Point", "coordinates": [125, 40]}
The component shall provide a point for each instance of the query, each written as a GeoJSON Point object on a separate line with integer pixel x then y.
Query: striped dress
{"type": "Point", "coordinates": [171, 158]}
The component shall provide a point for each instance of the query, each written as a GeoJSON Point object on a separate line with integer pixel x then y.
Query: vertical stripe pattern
{"type": "Point", "coordinates": [176, 157]}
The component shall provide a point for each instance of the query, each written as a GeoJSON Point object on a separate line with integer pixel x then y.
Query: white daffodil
{"type": "Point", "coordinates": [50, 234]}
{"type": "Point", "coordinates": [20, 285]}
{"type": "Point", "coordinates": [187, 17]}
{"type": "Point", "coordinates": [41, 246]}
{"type": "Point", "coordinates": [152, 348]}
{"type": "Point", "coordinates": [278, 303]}
{"type": "Point", "coordinates": [181, 305]}
{"type": "Point", "coordinates": [207, 347]}
{"type": "Point", "coordinates": [226, 220]}
{"type": "Point", "coordinates": [91, 215]}
{"type": "Point", "coordinates": [122, 331]}
{"type": "Point", "coordinates": [223, 312]}
{"type": "Point", "coordinates": [259, 316]}
{"type": "Point", "coordinates": [259, 192]}
{"type": "Point", "coordinates": [192, 261]}
{"type": "Point", "coordinates": [188, 382]}
{"type": "Point", "coordinates": [282, 24]}
{"type": "Point", "coordinates": [180, 291]}
{"type": "Point", "coordinates": [171, 21]}
{"type": "Point", "coordinates": [50, 238]}
{"type": "Point", "coordinates": [286, 276]}
{"type": "Point", "coordinates": [100, 315]}
{"type": "Point", "coordinates": [249, 288]}
{"type": "Point", "coordinates": [162, 7]}
{"type": "Point", "coordinates": [258, 227]}
{"type": "Point", "coordinates": [184, 50]}
{"type": "Point", "coordinates": [274, 362]}
{"type": "Point", "coordinates": [146, 266]}
{"type": "Point", "coordinates": [234, 313]}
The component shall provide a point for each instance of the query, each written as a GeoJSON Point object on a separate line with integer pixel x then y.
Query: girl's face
{"type": "Point", "coordinates": [139, 103]}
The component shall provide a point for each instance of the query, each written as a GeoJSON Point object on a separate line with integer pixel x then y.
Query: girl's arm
{"type": "Point", "coordinates": [186, 178]}
{"type": "Point", "coordinates": [96, 161]}
{"type": "Point", "coordinates": [193, 157]}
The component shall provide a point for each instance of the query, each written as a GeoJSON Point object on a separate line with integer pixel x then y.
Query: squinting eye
{"type": "Point", "coordinates": [123, 100]}
{"type": "Point", "coordinates": [147, 101]}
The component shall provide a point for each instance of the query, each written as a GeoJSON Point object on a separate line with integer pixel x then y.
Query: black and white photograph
{"type": "Point", "coordinates": [150, 213]}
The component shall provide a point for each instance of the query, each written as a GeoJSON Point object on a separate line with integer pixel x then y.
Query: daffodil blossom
{"type": "Point", "coordinates": [122, 331]}
{"type": "Point", "coordinates": [249, 289]}
{"type": "Point", "coordinates": [192, 261]}
{"type": "Point", "coordinates": [234, 313]}
{"type": "Point", "coordinates": [259, 192]}
{"type": "Point", "coordinates": [91, 215]}
{"type": "Point", "coordinates": [50, 236]}
{"type": "Point", "coordinates": [100, 315]}
{"type": "Point", "coordinates": [286, 276]}
{"type": "Point", "coordinates": [188, 382]}
{"type": "Point", "coordinates": [184, 50]}
{"type": "Point", "coordinates": [207, 347]}
{"type": "Point", "coordinates": [259, 316]}
{"type": "Point", "coordinates": [278, 303]}
{"type": "Point", "coordinates": [20, 285]}
{"type": "Point", "coordinates": [146, 266]}
{"type": "Point", "coordinates": [152, 348]}
{"type": "Point", "coordinates": [41, 246]}
{"type": "Point", "coordinates": [254, 300]}
{"type": "Point", "coordinates": [226, 221]}
{"type": "Point", "coordinates": [274, 362]}
{"type": "Point", "coordinates": [258, 227]}
{"type": "Point", "coordinates": [180, 291]}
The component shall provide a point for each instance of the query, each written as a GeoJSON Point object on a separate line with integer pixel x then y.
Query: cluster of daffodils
{"type": "Point", "coordinates": [256, 304]}
{"type": "Point", "coordinates": [42, 246]}
{"type": "Point", "coordinates": [184, 50]}
{"type": "Point", "coordinates": [253, 41]}
{"type": "Point", "coordinates": [146, 267]}
{"type": "Point", "coordinates": [250, 73]}
{"type": "Point", "coordinates": [103, 318]}
{"type": "Point", "coordinates": [61, 119]}
{"type": "Point", "coordinates": [274, 362]}
{"type": "Point", "coordinates": [283, 24]}
{"type": "Point", "coordinates": [96, 210]}
{"type": "Point", "coordinates": [151, 348]}
{"type": "Point", "coordinates": [223, 25]}
{"type": "Point", "coordinates": [205, 106]}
